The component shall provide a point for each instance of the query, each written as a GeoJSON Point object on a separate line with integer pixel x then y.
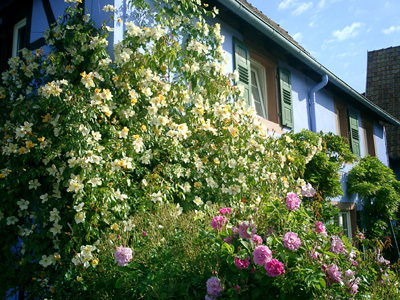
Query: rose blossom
{"type": "Point", "coordinates": [262, 255]}
{"type": "Point", "coordinates": [313, 253]}
{"type": "Point", "coordinates": [321, 228]}
{"type": "Point", "coordinates": [228, 240]}
{"type": "Point", "coordinates": [225, 211]}
{"type": "Point", "coordinates": [292, 201]}
{"type": "Point", "coordinates": [307, 190]}
{"type": "Point", "coordinates": [334, 273]}
{"type": "Point", "coordinates": [242, 263]}
{"type": "Point", "coordinates": [214, 286]}
{"type": "Point", "coordinates": [274, 268]}
{"type": "Point", "coordinates": [257, 240]}
{"type": "Point", "coordinates": [218, 222]}
{"type": "Point", "coordinates": [337, 245]}
{"type": "Point", "coordinates": [291, 241]}
{"type": "Point", "coordinates": [123, 256]}
{"type": "Point", "coordinates": [243, 227]}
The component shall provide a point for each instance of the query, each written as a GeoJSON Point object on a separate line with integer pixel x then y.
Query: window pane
{"type": "Point", "coordinates": [256, 93]}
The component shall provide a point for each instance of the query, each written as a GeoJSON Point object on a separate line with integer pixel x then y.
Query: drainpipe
{"type": "Point", "coordinates": [312, 100]}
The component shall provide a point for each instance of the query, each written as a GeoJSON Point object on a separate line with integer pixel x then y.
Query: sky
{"type": "Point", "coordinates": [338, 33]}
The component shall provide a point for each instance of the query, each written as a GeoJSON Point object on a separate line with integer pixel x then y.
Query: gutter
{"type": "Point", "coordinates": [246, 14]}
{"type": "Point", "coordinates": [312, 101]}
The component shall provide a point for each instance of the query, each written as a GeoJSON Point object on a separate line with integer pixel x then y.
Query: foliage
{"type": "Point", "coordinates": [95, 150]}
{"type": "Point", "coordinates": [323, 170]}
{"type": "Point", "coordinates": [377, 186]}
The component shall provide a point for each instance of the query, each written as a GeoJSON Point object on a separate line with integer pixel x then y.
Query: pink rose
{"type": "Point", "coordinates": [225, 211]}
{"type": "Point", "coordinates": [292, 201]}
{"type": "Point", "coordinates": [257, 240]}
{"type": "Point", "coordinates": [274, 268]}
{"type": "Point", "coordinates": [337, 245]}
{"type": "Point", "coordinates": [228, 240]}
{"type": "Point", "coordinates": [321, 228]}
{"type": "Point", "coordinates": [291, 241]}
{"type": "Point", "coordinates": [334, 274]}
{"type": "Point", "coordinates": [218, 222]}
{"type": "Point", "coordinates": [307, 190]}
{"type": "Point", "coordinates": [261, 255]}
{"type": "Point", "coordinates": [242, 263]}
{"type": "Point", "coordinates": [244, 230]}
{"type": "Point", "coordinates": [214, 286]}
{"type": "Point", "coordinates": [123, 256]}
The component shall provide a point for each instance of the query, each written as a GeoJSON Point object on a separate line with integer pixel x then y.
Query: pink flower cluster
{"type": "Point", "coordinates": [292, 201]}
{"type": "Point", "coordinates": [337, 245]}
{"type": "Point", "coordinates": [381, 259]}
{"type": "Point", "coordinates": [274, 268]}
{"type": "Point", "coordinates": [262, 255]}
{"type": "Point", "coordinates": [218, 222]}
{"type": "Point", "coordinates": [321, 229]}
{"type": "Point", "coordinates": [351, 281]}
{"type": "Point", "coordinates": [257, 240]}
{"type": "Point", "coordinates": [333, 273]}
{"type": "Point", "coordinates": [123, 256]}
{"type": "Point", "coordinates": [307, 190]}
{"type": "Point", "coordinates": [242, 263]}
{"type": "Point", "coordinates": [247, 230]}
{"type": "Point", "coordinates": [214, 287]}
{"type": "Point", "coordinates": [291, 241]}
{"type": "Point", "coordinates": [225, 211]}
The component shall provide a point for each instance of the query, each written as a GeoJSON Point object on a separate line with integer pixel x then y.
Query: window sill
{"type": "Point", "coordinates": [271, 126]}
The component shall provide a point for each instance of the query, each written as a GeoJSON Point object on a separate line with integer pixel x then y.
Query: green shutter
{"type": "Point", "coordinates": [285, 88]}
{"type": "Point", "coordinates": [242, 65]}
{"type": "Point", "coordinates": [354, 133]}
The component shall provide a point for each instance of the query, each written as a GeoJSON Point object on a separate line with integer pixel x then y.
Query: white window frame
{"type": "Point", "coordinates": [16, 29]}
{"type": "Point", "coordinates": [345, 215]}
{"type": "Point", "coordinates": [365, 138]}
{"type": "Point", "coordinates": [261, 82]}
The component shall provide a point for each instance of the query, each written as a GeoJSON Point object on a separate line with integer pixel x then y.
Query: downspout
{"type": "Point", "coordinates": [312, 100]}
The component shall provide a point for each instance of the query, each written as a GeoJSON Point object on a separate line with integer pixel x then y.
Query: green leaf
{"type": "Point", "coordinates": [245, 244]}
{"type": "Point", "coordinates": [243, 254]}
{"type": "Point", "coordinates": [119, 283]}
{"type": "Point", "coordinates": [322, 282]}
{"type": "Point", "coordinates": [227, 249]}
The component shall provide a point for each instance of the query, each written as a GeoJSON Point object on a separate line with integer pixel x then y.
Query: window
{"type": "Point", "coordinates": [259, 75]}
{"type": "Point", "coordinates": [258, 86]}
{"type": "Point", "coordinates": [15, 20]}
{"type": "Point", "coordinates": [342, 126]}
{"type": "Point", "coordinates": [19, 34]}
{"type": "Point", "coordinates": [347, 126]}
{"type": "Point", "coordinates": [344, 221]}
{"type": "Point", "coordinates": [367, 130]}
{"type": "Point", "coordinates": [347, 217]}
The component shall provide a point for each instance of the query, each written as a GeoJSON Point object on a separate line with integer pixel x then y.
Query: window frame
{"type": "Point", "coordinates": [367, 128]}
{"type": "Point", "coordinates": [261, 81]}
{"type": "Point", "coordinates": [16, 36]}
{"type": "Point", "coordinates": [345, 215]}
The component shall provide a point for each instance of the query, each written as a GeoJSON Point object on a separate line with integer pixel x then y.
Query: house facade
{"type": "Point", "coordinates": [287, 87]}
{"type": "Point", "coordinates": [383, 88]}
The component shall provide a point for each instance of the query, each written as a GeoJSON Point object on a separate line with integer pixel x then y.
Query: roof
{"type": "Point", "coordinates": [273, 31]}
{"type": "Point", "coordinates": [383, 88]}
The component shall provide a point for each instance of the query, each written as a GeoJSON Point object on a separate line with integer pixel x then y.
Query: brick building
{"type": "Point", "coordinates": [383, 88]}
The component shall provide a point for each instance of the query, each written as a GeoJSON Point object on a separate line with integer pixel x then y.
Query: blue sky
{"type": "Point", "coordinates": [338, 33]}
